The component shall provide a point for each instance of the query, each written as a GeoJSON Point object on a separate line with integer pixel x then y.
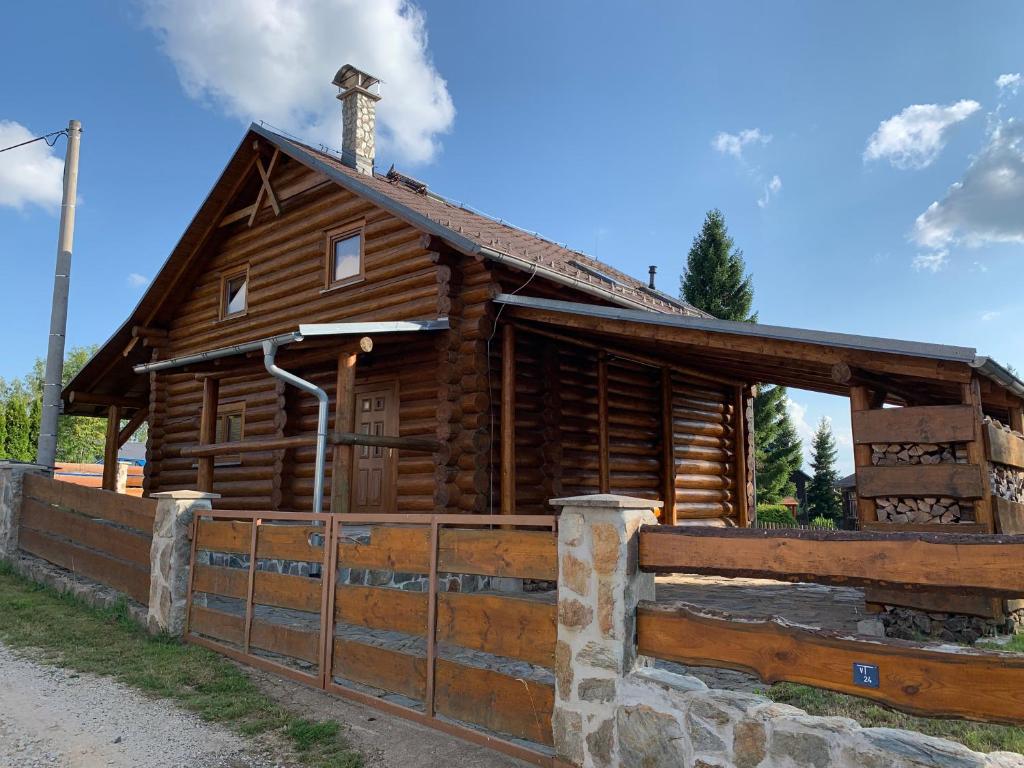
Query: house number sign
{"type": "Point", "coordinates": [866, 675]}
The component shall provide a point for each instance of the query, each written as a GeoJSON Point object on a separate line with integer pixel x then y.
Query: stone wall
{"type": "Point", "coordinates": [613, 709]}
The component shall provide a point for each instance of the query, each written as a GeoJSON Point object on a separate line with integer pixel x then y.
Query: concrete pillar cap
{"type": "Point", "coordinates": [606, 501]}
{"type": "Point", "coordinates": [185, 494]}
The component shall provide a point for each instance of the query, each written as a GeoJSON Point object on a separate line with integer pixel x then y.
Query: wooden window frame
{"type": "Point", "coordinates": [224, 410]}
{"type": "Point", "coordinates": [332, 236]}
{"type": "Point", "coordinates": [225, 278]}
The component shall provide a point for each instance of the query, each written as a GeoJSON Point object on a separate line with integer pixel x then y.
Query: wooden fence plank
{"type": "Point", "coordinates": [961, 481]}
{"type": "Point", "coordinates": [124, 577]}
{"type": "Point", "coordinates": [917, 424]}
{"type": "Point", "coordinates": [486, 552]}
{"type": "Point", "coordinates": [224, 536]}
{"type": "Point", "coordinates": [289, 542]}
{"type": "Point", "coordinates": [116, 507]}
{"type": "Point", "coordinates": [516, 627]}
{"type": "Point", "coordinates": [518, 554]}
{"type": "Point", "coordinates": [380, 667]}
{"type": "Point", "coordinates": [276, 638]}
{"type": "Point", "coordinates": [935, 602]}
{"type": "Point", "coordinates": [116, 542]}
{"type": "Point", "coordinates": [380, 608]}
{"type": "Point", "coordinates": [1009, 515]}
{"type": "Point", "coordinates": [938, 561]}
{"type": "Point", "coordinates": [228, 582]}
{"type": "Point", "coordinates": [1004, 447]}
{"type": "Point", "coordinates": [281, 590]}
{"type": "Point", "coordinates": [518, 707]}
{"type": "Point", "coordinates": [953, 682]}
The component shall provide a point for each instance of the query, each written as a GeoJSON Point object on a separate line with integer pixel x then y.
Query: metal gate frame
{"type": "Point", "coordinates": [333, 527]}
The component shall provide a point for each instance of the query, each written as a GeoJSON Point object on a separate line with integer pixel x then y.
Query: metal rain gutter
{"type": "Point", "coordinates": [989, 368]}
{"type": "Point", "coordinates": [269, 352]}
{"type": "Point", "coordinates": [214, 354]}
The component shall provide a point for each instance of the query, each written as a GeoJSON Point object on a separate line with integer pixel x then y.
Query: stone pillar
{"type": "Point", "coordinates": [11, 476]}
{"type": "Point", "coordinates": [599, 586]}
{"type": "Point", "coordinates": [121, 486]}
{"type": "Point", "coordinates": [169, 557]}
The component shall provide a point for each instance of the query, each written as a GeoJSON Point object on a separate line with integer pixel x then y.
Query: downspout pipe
{"type": "Point", "coordinates": [269, 353]}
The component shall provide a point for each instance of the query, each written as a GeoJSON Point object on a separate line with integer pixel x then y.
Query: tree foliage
{"type": "Point", "coordinates": [715, 279]}
{"type": "Point", "coordinates": [778, 451]}
{"type": "Point", "coordinates": [822, 497]}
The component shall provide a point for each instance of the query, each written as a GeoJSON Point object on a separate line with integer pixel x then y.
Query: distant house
{"type": "Point", "coordinates": [847, 487]}
{"type": "Point", "coordinates": [799, 479]}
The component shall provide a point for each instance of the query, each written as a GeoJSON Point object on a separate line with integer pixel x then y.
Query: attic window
{"type": "Point", "coordinates": [234, 298]}
{"type": "Point", "coordinates": [344, 257]}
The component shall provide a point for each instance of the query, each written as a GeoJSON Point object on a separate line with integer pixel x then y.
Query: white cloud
{"type": "Point", "coordinates": [734, 143]}
{"type": "Point", "coordinates": [770, 190]}
{"type": "Point", "coordinates": [1008, 82]}
{"type": "Point", "coordinates": [29, 175]}
{"type": "Point", "coordinates": [135, 280]}
{"type": "Point", "coordinates": [275, 59]}
{"type": "Point", "coordinates": [916, 136]}
{"type": "Point", "coordinates": [990, 315]}
{"type": "Point", "coordinates": [931, 262]}
{"type": "Point", "coordinates": [987, 204]}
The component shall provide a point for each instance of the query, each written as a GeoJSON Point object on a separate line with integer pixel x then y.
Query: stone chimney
{"type": "Point", "coordinates": [358, 117]}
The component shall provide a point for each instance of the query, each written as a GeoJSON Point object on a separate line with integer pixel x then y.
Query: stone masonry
{"type": "Point", "coordinates": [613, 709]}
{"type": "Point", "coordinates": [169, 557]}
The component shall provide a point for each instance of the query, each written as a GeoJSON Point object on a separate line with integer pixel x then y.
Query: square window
{"type": "Point", "coordinates": [236, 291]}
{"type": "Point", "coordinates": [346, 257]}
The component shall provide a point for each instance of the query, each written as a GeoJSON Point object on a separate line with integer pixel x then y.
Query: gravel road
{"type": "Point", "coordinates": [55, 718]}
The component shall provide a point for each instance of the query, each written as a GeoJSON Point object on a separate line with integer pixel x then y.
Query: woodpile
{"type": "Point", "coordinates": [930, 509]}
{"type": "Point", "coordinates": [1007, 482]}
{"type": "Point", "coordinates": [893, 454]}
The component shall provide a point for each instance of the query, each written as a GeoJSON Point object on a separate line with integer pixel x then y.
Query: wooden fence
{"type": "Point", "coordinates": [441, 654]}
{"type": "Point", "coordinates": [101, 535]}
{"type": "Point", "coordinates": [946, 681]}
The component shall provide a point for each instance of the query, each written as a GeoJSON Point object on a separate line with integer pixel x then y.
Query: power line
{"type": "Point", "coordinates": [56, 135]}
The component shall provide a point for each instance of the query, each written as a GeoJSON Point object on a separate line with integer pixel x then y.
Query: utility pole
{"type": "Point", "coordinates": [47, 448]}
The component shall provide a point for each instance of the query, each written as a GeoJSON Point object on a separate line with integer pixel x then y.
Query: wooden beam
{"type": "Point", "coordinates": [961, 481]}
{"type": "Point", "coordinates": [739, 436]}
{"type": "Point", "coordinates": [1009, 515]}
{"type": "Point", "coordinates": [148, 332]}
{"type": "Point", "coordinates": [205, 450]}
{"type": "Point", "coordinates": [110, 448]}
{"type": "Point", "coordinates": [344, 419]}
{"type": "Point", "coordinates": [208, 432]}
{"type": "Point", "coordinates": [932, 561]}
{"type": "Point", "coordinates": [508, 420]}
{"type": "Point", "coordinates": [92, 398]}
{"type": "Point", "coordinates": [918, 678]}
{"type": "Point", "coordinates": [916, 424]}
{"type": "Point", "coordinates": [983, 512]}
{"type": "Point", "coordinates": [1017, 418]}
{"type": "Point", "coordinates": [603, 469]}
{"type": "Point", "coordinates": [668, 451]}
{"type": "Point", "coordinates": [418, 444]}
{"type": "Point", "coordinates": [265, 187]}
{"type": "Point", "coordinates": [860, 402]}
{"type": "Point", "coordinates": [133, 424]}
{"type": "Point", "coordinates": [1004, 447]}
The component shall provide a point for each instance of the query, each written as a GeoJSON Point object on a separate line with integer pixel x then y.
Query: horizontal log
{"type": "Point", "coordinates": [385, 441]}
{"type": "Point", "coordinates": [276, 638]}
{"type": "Point", "coordinates": [248, 446]}
{"type": "Point", "coordinates": [960, 481]}
{"type": "Point", "coordinates": [1004, 447]}
{"type": "Point", "coordinates": [946, 682]}
{"type": "Point", "coordinates": [919, 424]}
{"type": "Point", "coordinates": [936, 602]}
{"type": "Point", "coordinates": [124, 545]}
{"type": "Point", "coordinates": [946, 561]}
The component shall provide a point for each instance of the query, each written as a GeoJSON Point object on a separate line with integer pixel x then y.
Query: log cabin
{"type": "Point", "coordinates": [328, 337]}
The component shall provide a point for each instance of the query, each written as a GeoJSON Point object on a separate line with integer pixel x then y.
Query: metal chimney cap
{"type": "Point", "coordinates": [350, 77]}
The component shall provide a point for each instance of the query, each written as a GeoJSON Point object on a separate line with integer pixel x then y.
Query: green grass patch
{"type": "Point", "coordinates": [978, 736]}
{"type": "Point", "coordinates": [61, 630]}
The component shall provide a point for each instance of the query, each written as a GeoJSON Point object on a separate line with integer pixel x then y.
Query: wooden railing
{"type": "Point", "coordinates": [939, 681]}
{"type": "Point", "coordinates": [102, 535]}
{"type": "Point", "coordinates": [341, 643]}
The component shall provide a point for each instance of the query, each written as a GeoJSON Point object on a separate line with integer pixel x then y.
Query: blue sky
{"type": "Point", "coordinates": [824, 131]}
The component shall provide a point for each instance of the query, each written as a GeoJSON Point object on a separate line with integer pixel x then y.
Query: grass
{"type": "Point", "coordinates": [978, 736]}
{"type": "Point", "coordinates": [61, 630]}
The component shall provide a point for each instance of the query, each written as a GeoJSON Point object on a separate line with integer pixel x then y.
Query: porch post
{"type": "Point", "coordinates": [344, 414]}
{"type": "Point", "coordinates": [668, 449]}
{"type": "Point", "coordinates": [739, 420]}
{"type": "Point", "coordinates": [860, 400]}
{"type": "Point", "coordinates": [208, 432]}
{"type": "Point", "coordinates": [110, 448]}
{"type": "Point", "coordinates": [508, 420]}
{"type": "Point", "coordinates": [603, 469]}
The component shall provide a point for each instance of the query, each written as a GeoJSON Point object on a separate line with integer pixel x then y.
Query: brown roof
{"type": "Point", "coordinates": [491, 234]}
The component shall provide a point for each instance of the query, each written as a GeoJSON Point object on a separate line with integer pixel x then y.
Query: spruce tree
{"type": "Point", "coordinates": [714, 280]}
{"type": "Point", "coordinates": [822, 496]}
{"type": "Point", "coordinates": [779, 450]}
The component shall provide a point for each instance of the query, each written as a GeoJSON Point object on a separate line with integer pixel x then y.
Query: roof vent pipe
{"type": "Point", "coordinates": [269, 353]}
{"type": "Point", "coordinates": [651, 270]}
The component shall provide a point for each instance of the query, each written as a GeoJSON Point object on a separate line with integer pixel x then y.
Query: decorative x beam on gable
{"type": "Point", "coordinates": [265, 186]}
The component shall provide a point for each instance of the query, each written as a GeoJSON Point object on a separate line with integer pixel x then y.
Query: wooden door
{"type": "Point", "coordinates": [375, 469]}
